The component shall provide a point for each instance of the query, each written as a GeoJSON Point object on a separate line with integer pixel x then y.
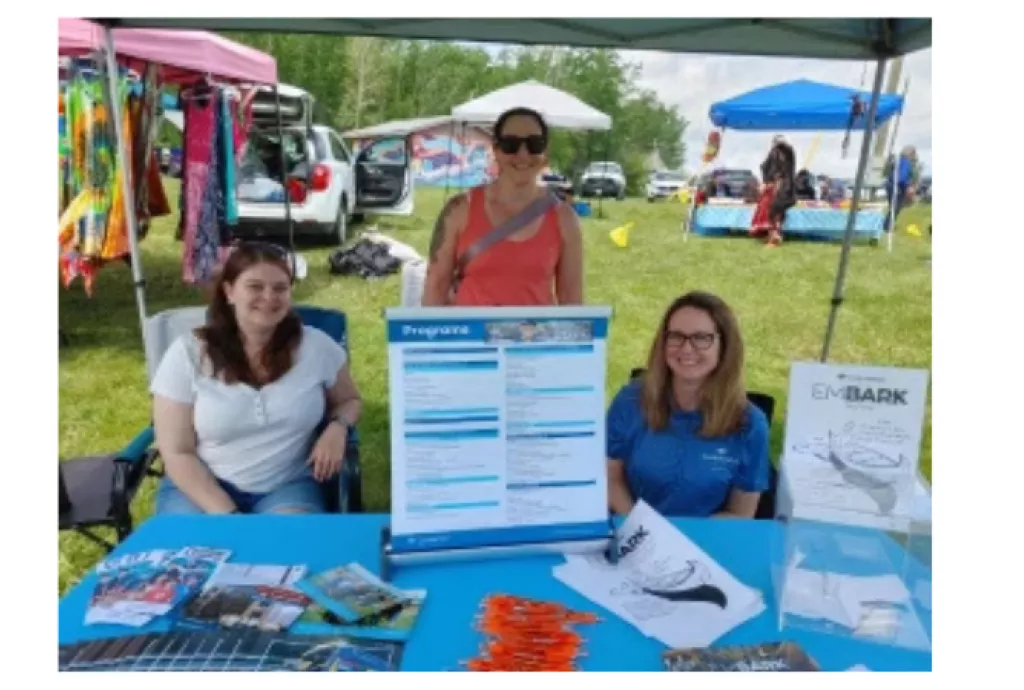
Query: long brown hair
{"type": "Point", "coordinates": [223, 340]}
{"type": "Point", "coordinates": [723, 396]}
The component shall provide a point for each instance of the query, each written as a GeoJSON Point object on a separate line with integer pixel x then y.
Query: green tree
{"type": "Point", "coordinates": [317, 64]}
{"type": "Point", "coordinates": [359, 82]}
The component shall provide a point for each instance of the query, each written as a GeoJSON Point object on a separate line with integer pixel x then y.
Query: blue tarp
{"type": "Point", "coordinates": [799, 105]}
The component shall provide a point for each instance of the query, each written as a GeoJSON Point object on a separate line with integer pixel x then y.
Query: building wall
{"type": "Point", "coordinates": [465, 160]}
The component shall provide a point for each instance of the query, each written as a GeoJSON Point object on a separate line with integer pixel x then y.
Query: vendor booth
{"type": "Point", "coordinates": [98, 226]}
{"type": "Point", "coordinates": [103, 200]}
{"type": "Point", "coordinates": [499, 551]}
{"type": "Point", "coordinates": [800, 105]}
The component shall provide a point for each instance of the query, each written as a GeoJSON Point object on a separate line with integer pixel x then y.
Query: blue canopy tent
{"type": "Point", "coordinates": [800, 105]}
{"type": "Point", "coordinates": [803, 105]}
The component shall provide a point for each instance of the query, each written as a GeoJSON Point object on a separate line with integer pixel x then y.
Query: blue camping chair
{"type": "Point", "coordinates": [766, 403]}
{"type": "Point", "coordinates": [97, 491]}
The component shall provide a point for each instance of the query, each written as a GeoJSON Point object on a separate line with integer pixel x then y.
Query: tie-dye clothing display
{"type": "Point", "coordinates": [92, 225]}
{"type": "Point", "coordinates": [209, 204]}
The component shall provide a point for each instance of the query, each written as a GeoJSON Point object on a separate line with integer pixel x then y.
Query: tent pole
{"type": "Point", "coordinates": [851, 219]}
{"type": "Point", "coordinates": [600, 198]}
{"type": "Point", "coordinates": [447, 164]}
{"type": "Point", "coordinates": [138, 281]}
{"type": "Point", "coordinates": [462, 149]}
{"type": "Point", "coordinates": [688, 220]}
{"type": "Point", "coordinates": [892, 150]}
{"type": "Point", "coordinates": [284, 179]}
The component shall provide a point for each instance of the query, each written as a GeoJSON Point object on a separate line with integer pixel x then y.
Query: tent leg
{"type": "Point", "coordinates": [892, 222]}
{"type": "Point", "coordinates": [289, 221]}
{"type": "Point", "coordinates": [600, 193]}
{"type": "Point", "coordinates": [891, 211]}
{"type": "Point", "coordinates": [448, 167]}
{"type": "Point", "coordinates": [851, 219]}
{"type": "Point", "coordinates": [462, 152]}
{"type": "Point", "coordinates": [123, 170]}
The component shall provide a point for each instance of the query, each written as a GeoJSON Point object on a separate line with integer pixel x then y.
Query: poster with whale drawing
{"type": "Point", "coordinates": [853, 439]}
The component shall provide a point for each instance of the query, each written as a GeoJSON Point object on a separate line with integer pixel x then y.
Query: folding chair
{"type": "Point", "coordinates": [97, 491]}
{"type": "Point", "coordinates": [765, 403]}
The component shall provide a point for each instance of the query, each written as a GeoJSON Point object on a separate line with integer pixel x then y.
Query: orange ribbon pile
{"type": "Point", "coordinates": [528, 635]}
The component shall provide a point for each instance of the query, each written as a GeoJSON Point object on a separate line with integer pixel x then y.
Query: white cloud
{"type": "Point", "coordinates": [694, 82]}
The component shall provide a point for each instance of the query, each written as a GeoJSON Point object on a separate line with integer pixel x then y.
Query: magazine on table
{"type": "Point", "coordinates": [230, 650]}
{"type": "Point", "coordinates": [351, 592]}
{"type": "Point", "coordinates": [178, 578]}
{"type": "Point", "coordinates": [238, 595]}
{"type": "Point", "coordinates": [133, 589]}
{"type": "Point", "coordinates": [772, 656]}
{"type": "Point", "coordinates": [394, 624]}
{"type": "Point", "coordinates": [121, 582]}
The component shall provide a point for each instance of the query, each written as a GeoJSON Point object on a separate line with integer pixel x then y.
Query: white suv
{"type": "Point", "coordinates": [603, 178]}
{"type": "Point", "coordinates": [326, 184]}
{"type": "Point", "coordinates": [663, 184]}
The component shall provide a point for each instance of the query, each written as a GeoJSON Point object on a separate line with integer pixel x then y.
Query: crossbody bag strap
{"type": "Point", "coordinates": [535, 210]}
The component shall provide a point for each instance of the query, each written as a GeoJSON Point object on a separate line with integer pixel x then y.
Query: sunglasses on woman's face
{"type": "Point", "coordinates": [510, 144]}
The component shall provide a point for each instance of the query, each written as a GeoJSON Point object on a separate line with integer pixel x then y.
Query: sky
{"type": "Point", "coordinates": [694, 82]}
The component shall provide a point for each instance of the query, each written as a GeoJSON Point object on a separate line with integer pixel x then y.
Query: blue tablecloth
{"type": "Point", "coordinates": [811, 223]}
{"type": "Point", "coordinates": [444, 634]}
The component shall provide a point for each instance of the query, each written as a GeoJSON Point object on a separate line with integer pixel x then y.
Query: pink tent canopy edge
{"type": "Point", "coordinates": [185, 55]}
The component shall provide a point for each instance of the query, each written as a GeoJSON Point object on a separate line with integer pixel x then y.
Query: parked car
{"type": "Point", "coordinates": [559, 183]}
{"type": "Point", "coordinates": [327, 185]}
{"type": "Point", "coordinates": [663, 184]}
{"type": "Point", "coordinates": [603, 178]}
{"type": "Point", "coordinates": [170, 161]}
{"type": "Point", "coordinates": [731, 183]}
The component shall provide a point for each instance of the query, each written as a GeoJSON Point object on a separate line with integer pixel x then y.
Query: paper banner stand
{"type": "Point", "coordinates": [391, 559]}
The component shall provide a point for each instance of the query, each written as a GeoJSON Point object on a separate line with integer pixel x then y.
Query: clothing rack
{"type": "Point", "coordinates": [202, 91]}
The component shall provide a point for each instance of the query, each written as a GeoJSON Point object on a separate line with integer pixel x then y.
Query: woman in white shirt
{"type": "Point", "coordinates": [236, 404]}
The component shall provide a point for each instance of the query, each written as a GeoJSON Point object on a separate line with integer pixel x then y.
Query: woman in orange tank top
{"type": "Point", "coordinates": [539, 264]}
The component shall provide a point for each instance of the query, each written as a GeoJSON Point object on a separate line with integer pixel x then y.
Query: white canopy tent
{"type": "Point", "coordinates": [560, 109]}
{"type": "Point", "coordinates": [397, 128]}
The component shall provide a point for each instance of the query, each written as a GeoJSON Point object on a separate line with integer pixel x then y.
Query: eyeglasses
{"type": "Point", "coordinates": [699, 340]}
{"type": "Point", "coordinates": [509, 144]}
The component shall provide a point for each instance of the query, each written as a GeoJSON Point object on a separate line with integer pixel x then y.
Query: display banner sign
{"type": "Point", "coordinates": [497, 426]}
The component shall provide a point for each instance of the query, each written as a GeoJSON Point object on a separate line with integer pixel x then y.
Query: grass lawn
{"type": "Point", "coordinates": [781, 297]}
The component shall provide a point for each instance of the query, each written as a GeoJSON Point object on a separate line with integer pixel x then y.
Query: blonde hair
{"type": "Point", "coordinates": [723, 396]}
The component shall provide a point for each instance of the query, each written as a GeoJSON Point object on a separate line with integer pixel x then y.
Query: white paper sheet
{"type": "Point", "coordinates": [849, 600]}
{"type": "Point", "coordinates": [663, 584]}
{"type": "Point", "coordinates": [244, 574]}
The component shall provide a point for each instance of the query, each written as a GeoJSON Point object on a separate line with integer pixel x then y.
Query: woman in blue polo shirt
{"type": "Point", "coordinates": [683, 437]}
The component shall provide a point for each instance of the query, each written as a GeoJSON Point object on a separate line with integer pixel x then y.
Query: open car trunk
{"type": "Point", "coordinates": [263, 177]}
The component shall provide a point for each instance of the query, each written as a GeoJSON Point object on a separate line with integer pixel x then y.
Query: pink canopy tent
{"type": "Point", "coordinates": [183, 55]}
